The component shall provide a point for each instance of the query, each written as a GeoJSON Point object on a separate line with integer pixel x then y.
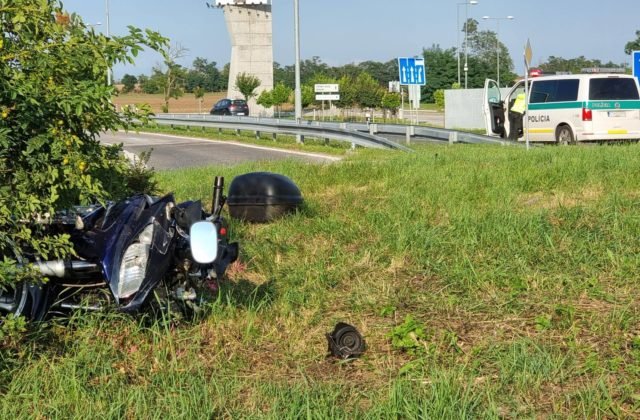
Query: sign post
{"type": "Point", "coordinates": [327, 92]}
{"type": "Point", "coordinates": [412, 73]}
{"type": "Point", "coordinates": [636, 64]}
{"type": "Point", "coordinates": [528, 55]}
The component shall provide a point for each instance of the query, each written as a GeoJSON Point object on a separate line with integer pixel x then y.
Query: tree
{"type": "Point", "coordinates": [224, 77]}
{"type": "Point", "coordinates": [54, 103]}
{"type": "Point", "coordinates": [152, 84]}
{"type": "Point", "coordinates": [348, 93]}
{"type": "Point", "coordinates": [280, 95]}
{"type": "Point", "coordinates": [284, 75]}
{"type": "Point", "coordinates": [308, 95]}
{"type": "Point", "coordinates": [633, 45]}
{"type": "Point", "coordinates": [368, 91]}
{"type": "Point", "coordinates": [391, 102]}
{"type": "Point", "coordinates": [275, 97]}
{"type": "Point", "coordinates": [247, 85]}
{"type": "Point", "coordinates": [383, 73]}
{"type": "Point", "coordinates": [265, 99]}
{"type": "Point", "coordinates": [172, 78]}
{"type": "Point", "coordinates": [129, 83]}
{"type": "Point", "coordinates": [573, 65]}
{"type": "Point", "coordinates": [441, 70]}
{"type": "Point", "coordinates": [203, 74]}
{"type": "Point", "coordinates": [198, 92]}
{"type": "Point", "coordinates": [484, 47]}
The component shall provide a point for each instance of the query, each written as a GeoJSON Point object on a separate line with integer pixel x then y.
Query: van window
{"type": "Point", "coordinates": [554, 91]}
{"type": "Point", "coordinates": [613, 89]}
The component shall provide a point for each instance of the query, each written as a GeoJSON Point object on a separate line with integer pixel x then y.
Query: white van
{"type": "Point", "coordinates": [569, 108]}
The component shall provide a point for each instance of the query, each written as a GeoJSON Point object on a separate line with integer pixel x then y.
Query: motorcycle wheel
{"type": "Point", "coordinates": [15, 300]}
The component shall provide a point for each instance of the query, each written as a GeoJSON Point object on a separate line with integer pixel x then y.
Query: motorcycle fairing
{"type": "Point", "coordinates": [111, 232]}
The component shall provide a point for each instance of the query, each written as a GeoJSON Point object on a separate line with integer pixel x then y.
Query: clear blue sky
{"type": "Point", "coordinates": [348, 31]}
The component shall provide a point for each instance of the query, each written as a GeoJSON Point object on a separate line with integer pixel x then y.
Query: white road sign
{"type": "Point", "coordinates": [327, 88]}
{"type": "Point", "coordinates": [328, 97]}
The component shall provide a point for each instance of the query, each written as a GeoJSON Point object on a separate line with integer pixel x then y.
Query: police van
{"type": "Point", "coordinates": [569, 108]}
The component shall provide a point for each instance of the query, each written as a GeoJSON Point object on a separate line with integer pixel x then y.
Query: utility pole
{"type": "Point", "coordinates": [466, 5]}
{"type": "Point", "coordinates": [498, 19]}
{"type": "Point", "coordinates": [298, 91]}
{"type": "Point", "coordinates": [108, 36]}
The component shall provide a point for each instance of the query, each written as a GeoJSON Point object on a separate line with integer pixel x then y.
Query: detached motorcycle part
{"type": "Point", "coordinates": [62, 269]}
{"type": "Point", "coordinates": [261, 197]}
{"type": "Point", "coordinates": [345, 341]}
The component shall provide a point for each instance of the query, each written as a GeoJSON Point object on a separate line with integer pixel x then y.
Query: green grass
{"type": "Point", "coordinates": [520, 267]}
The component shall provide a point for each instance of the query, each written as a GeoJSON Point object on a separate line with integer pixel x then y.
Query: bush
{"type": "Point", "coordinates": [438, 96]}
{"type": "Point", "coordinates": [54, 102]}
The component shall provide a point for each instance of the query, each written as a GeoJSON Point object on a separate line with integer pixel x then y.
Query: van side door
{"type": "Point", "coordinates": [493, 109]}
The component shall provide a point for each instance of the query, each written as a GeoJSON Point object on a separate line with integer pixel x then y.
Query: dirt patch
{"type": "Point", "coordinates": [554, 200]}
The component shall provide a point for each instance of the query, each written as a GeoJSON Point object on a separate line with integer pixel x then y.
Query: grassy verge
{"type": "Point", "coordinates": [331, 147]}
{"type": "Point", "coordinates": [487, 281]}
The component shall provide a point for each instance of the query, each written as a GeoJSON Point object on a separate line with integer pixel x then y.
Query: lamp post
{"type": "Point", "coordinates": [108, 35]}
{"type": "Point", "coordinates": [498, 19]}
{"type": "Point", "coordinates": [298, 90]}
{"type": "Point", "coordinates": [466, 5]}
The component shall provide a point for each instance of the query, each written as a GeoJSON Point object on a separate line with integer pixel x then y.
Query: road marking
{"type": "Point", "coordinates": [249, 146]}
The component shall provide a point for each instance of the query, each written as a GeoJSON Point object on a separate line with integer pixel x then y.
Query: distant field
{"type": "Point", "coordinates": [186, 103]}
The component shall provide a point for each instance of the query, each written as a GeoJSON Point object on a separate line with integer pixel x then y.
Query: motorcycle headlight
{"type": "Point", "coordinates": [134, 264]}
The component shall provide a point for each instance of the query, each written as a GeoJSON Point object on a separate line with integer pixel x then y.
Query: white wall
{"type": "Point", "coordinates": [463, 108]}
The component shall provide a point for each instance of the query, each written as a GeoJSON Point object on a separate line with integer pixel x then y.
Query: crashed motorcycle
{"type": "Point", "coordinates": [128, 255]}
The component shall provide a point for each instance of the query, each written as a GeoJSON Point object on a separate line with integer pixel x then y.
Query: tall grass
{"type": "Point", "coordinates": [521, 268]}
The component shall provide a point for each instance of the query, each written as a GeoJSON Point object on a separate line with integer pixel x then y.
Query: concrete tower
{"type": "Point", "coordinates": [250, 28]}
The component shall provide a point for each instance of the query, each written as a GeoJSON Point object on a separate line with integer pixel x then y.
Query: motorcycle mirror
{"type": "Point", "coordinates": [203, 238]}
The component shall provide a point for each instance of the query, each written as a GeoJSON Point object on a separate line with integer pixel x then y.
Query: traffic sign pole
{"type": "Point", "coordinates": [528, 55]}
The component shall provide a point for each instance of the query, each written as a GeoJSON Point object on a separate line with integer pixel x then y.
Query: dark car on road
{"type": "Point", "coordinates": [230, 107]}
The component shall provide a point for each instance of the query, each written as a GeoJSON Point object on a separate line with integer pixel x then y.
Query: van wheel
{"type": "Point", "coordinates": [564, 135]}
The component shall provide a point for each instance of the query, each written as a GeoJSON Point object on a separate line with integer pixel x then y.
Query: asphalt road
{"type": "Point", "coordinates": [171, 151]}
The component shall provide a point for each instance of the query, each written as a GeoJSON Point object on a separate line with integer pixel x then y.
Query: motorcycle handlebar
{"type": "Point", "coordinates": [218, 198]}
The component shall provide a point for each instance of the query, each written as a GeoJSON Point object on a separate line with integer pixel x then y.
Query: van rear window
{"type": "Point", "coordinates": [613, 89]}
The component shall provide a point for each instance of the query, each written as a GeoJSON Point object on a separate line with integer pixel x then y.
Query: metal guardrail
{"type": "Point", "coordinates": [361, 134]}
{"type": "Point", "coordinates": [421, 134]}
{"type": "Point", "coordinates": [276, 126]}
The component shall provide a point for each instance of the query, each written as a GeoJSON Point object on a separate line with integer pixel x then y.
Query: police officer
{"type": "Point", "coordinates": [516, 114]}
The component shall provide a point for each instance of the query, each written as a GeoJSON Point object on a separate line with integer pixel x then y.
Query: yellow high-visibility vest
{"type": "Point", "coordinates": [519, 104]}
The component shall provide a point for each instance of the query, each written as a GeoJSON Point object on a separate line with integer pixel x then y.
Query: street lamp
{"type": "Point", "coordinates": [498, 19]}
{"type": "Point", "coordinates": [298, 89]}
{"type": "Point", "coordinates": [108, 36]}
{"type": "Point", "coordinates": [466, 5]}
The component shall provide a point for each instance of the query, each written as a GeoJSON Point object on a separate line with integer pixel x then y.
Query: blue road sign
{"type": "Point", "coordinates": [636, 64]}
{"type": "Point", "coordinates": [412, 71]}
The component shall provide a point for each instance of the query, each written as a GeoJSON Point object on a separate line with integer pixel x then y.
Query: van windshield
{"type": "Point", "coordinates": [613, 89]}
